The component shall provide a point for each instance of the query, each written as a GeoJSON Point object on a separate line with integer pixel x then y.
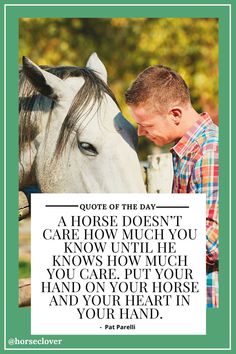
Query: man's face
{"type": "Point", "coordinates": [159, 128]}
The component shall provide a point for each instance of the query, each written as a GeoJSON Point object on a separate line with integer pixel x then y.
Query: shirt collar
{"type": "Point", "coordinates": [188, 140]}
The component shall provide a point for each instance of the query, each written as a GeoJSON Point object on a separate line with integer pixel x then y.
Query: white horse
{"type": "Point", "coordinates": [73, 137]}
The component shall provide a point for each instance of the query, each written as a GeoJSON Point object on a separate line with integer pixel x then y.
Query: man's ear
{"type": "Point", "coordinates": [176, 115]}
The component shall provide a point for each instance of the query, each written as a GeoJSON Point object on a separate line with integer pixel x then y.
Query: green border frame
{"type": "Point", "coordinates": [17, 321]}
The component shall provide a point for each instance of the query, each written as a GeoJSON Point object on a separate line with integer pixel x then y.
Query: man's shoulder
{"type": "Point", "coordinates": [202, 137]}
{"type": "Point", "coordinates": [212, 131]}
{"type": "Point", "coordinates": [208, 140]}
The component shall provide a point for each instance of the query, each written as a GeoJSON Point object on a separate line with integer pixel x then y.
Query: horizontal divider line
{"type": "Point", "coordinates": [173, 206]}
{"type": "Point", "coordinates": [60, 206]}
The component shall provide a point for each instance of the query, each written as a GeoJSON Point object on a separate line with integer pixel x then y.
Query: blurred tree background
{"type": "Point", "coordinates": [126, 47]}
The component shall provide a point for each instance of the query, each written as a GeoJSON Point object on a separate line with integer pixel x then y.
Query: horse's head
{"type": "Point", "coordinates": [73, 131]}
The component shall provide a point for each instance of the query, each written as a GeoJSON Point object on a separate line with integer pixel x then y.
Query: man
{"type": "Point", "coordinates": [160, 103]}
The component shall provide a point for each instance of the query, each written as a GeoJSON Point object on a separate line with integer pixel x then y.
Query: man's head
{"type": "Point", "coordinates": [158, 99]}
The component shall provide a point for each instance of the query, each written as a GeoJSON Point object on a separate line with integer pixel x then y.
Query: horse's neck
{"type": "Point", "coordinates": [26, 170]}
{"type": "Point", "coordinates": [29, 151]}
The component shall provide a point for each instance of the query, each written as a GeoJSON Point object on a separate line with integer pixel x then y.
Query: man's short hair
{"type": "Point", "coordinates": [158, 87]}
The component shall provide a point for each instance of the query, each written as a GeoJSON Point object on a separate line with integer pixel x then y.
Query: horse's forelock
{"type": "Point", "coordinates": [91, 94]}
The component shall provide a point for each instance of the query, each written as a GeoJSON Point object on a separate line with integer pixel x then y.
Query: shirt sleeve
{"type": "Point", "coordinates": [205, 178]}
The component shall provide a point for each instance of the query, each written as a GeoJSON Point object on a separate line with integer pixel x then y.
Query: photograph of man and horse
{"type": "Point", "coordinates": [77, 125]}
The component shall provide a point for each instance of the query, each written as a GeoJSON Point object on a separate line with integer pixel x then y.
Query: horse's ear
{"type": "Point", "coordinates": [46, 83]}
{"type": "Point", "coordinates": [95, 64]}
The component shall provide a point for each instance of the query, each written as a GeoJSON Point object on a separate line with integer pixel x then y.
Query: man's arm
{"type": "Point", "coordinates": [205, 178]}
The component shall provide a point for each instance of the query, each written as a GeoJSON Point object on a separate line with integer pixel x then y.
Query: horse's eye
{"type": "Point", "coordinates": [87, 149]}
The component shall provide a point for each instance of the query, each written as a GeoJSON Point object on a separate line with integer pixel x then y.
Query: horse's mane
{"type": "Point", "coordinates": [92, 92]}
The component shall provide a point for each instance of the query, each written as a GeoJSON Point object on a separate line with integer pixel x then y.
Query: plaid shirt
{"type": "Point", "coordinates": [195, 163]}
